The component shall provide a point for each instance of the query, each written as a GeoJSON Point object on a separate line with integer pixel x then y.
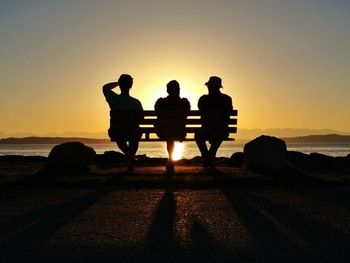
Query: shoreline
{"type": "Point", "coordinates": [19, 170]}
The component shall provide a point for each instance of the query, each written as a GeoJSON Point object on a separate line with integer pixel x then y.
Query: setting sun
{"type": "Point", "coordinates": [178, 151]}
{"type": "Point", "coordinates": [148, 91]}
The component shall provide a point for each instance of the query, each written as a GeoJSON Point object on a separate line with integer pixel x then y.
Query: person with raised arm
{"type": "Point", "coordinates": [125, 116]}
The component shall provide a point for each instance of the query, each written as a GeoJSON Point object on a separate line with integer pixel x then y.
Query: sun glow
{"type": "Point", "coordinates": [190, 88]}
{"type": "Point", "coordinates": [178, 151]}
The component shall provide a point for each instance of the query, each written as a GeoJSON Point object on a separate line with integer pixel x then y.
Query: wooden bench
{"type": "Point", "coordinates": [193, 124]}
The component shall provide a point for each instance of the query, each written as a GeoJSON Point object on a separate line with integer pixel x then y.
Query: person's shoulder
{"type": "Point", "coordinates": [203, 97]}
{"type": "Point", "coordinates": [185, 103]}
{"type": "Point", "coordinates": [160, 100]}
{"type": "Point", "coordinates": [135, 102]}
{"type": "Point", "coordinates": [185, 100]}
{"type": "Point", "coordinates": [164, 98]}
{"type": "Point", "coordinates": [226, 101]}
{"type": "Point", "coordinates": [134, 99]}
{"type": "Point", "coordinates": [226, 97]}
{"type": "Point", "coordinates": [160, 103]}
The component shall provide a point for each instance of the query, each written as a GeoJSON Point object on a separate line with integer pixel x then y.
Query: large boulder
{"type": "Point", "coordinates": [319, 163]}
{"type": "Point", "coordinates": [299, 160]}
{"type": "Point", "coordinates": [110, 159]}
{"type": "Point", "coordinates": [71, 158]}
{"type": "Point", "coordinates": [266, 153]}
{"type": "Point", "coordinates": [347, 161]}
{"type": "Point", "coordinates": [237, 159]}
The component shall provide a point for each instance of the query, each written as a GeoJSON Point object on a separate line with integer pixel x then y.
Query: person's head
{"type": "Point", "coordinates": [214, 83]}
{"type": "Point", "coordinates": [125, 81]}
{"type": "Point", "coordinates": [173, 88]}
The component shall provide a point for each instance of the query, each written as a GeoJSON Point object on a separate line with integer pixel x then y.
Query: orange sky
{"type": "Point", "coordinates": [285, 63]}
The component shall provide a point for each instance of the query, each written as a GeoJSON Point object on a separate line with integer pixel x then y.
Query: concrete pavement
{"type": "Point", "coordinates": [165, 224]}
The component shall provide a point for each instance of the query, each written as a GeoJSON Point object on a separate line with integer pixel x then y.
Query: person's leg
{"type": "Point", "coordinates": [122, 145]}
{"type": "Point", "coordinates": [170, 145]}
{"type": "Point", "coordinates": [202, 146]}
{"type": "Point", "coordinates": [133, 147]}
{"type": "Point", "coordinates": [214, 146]}
{"type": "Point", "coordinates": [200, 141]}
{"type": "Point", "coordinates": [170, 165]}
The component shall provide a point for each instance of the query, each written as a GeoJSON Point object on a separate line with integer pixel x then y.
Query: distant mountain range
{"type": "Point", "coordinates": [248, 134]}
{"type": "Point", "coordinates": [51, 140]}
{"type": "Point", "coordinates": [329, 138]}
{"type": "Point", "coordinates": [93, 135]}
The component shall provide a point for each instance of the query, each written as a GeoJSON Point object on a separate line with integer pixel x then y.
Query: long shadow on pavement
{"type": "Point", "coordinates": [336, 195]}
{"type": "Point", "coordinates": [162, 245]}
{"type": "Point", "coordinates": [271, 244]}
{"type": "Point", "coordinates": [24, 234]}
{"type": "Point", "coordinates": [325, 242]}
{"type": "Point", "coordinates": [284, 235]}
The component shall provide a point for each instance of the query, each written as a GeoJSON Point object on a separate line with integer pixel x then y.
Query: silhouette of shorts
{"type": "Point", "coordinates": [125, 134]}
{"type": "Point", "coordinates": [124, 125]}
{"type": "Point", "coordinates": [171, 133]}
{"type": "Point", "coordinates": [212, 134]}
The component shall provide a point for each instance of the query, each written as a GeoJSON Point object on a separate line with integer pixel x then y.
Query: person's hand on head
{"type": "Point", "coordinates": [111, 85]}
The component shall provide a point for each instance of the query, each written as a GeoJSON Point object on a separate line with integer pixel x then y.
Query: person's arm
{"type": "Point", "coordinates": [157, 105]}
{"type": "Point", "coordinates": [187, 105]}
{"type": "Point", "coordinates": [140, 112]}
{"type": "Point", "coordinates": [107, 88]}
{"type": "Point", "coordinates": [200, 104]}
{"type": "Point", "coordinates": [227, 109]}
{"type": "Point", "coordinates": [229, 104]}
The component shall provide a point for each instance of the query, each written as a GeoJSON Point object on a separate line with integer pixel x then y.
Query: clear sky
{"type": "Point", "coordinates": [286, 63]}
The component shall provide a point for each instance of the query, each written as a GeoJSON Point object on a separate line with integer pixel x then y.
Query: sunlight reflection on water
{"type": "Point", "coordinates": [182, 150]}
{"type": "Point", "coordinates": [178, 151]}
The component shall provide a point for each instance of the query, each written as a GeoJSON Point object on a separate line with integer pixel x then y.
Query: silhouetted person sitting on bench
{"type": "Point", "coordinates": [172, 112]}
{"type": "Point", "coordinates": [126, 114]}
{"type": "Point", "coordinates": [215, 110]}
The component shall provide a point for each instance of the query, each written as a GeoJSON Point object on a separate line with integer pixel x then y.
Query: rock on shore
{"type": "Point", "coordinates": [266, 153]}
{"type": "Point", "coordinates": [269, 154]}
{"type": "Point", "coordinates": [71, 158]}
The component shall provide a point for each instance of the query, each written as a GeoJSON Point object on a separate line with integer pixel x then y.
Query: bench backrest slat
{"type": "Point", "coordinates": [193, 123]}
{"type": "Point", "coordinates": [195, 113]}
{"type": "Point", "coordinates": [188, 129]}
{"type": "Point", "coordinates": [189, 122]}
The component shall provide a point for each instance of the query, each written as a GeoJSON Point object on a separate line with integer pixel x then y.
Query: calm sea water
{"type": "Point", "coordinates": [183, 150]}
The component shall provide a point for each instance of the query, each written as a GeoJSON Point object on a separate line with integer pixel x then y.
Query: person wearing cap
{"type": "Point", "coordinates": [214, 108]}
{"type": "Point", "coordinates": [172, 112]}
{"type": "Point", "coordinates": [125, 116]}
